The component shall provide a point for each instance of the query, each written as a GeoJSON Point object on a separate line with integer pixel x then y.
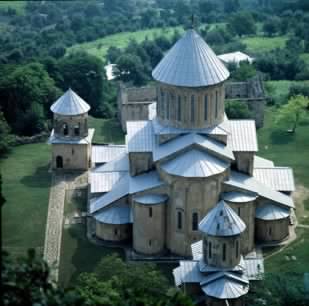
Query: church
{"type": "Point", "coordinates": [187, 182]}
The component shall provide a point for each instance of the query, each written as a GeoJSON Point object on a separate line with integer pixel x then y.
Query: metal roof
{"type": "Point", "coordinates": [197, 250]}
{"type": "Point", "coordinates": [151, 199]}
{"type": "Point", "coordinates": [235, 57]}
{"type": "Point", "coordinates": [260, 162]}
{"type": "Point", "coordinates": [195, 163]}
{"type": "Point", "coordinates": [204, 268]}
{"type": "Point", "coordinates": [277, 178]}
{"type": "Point", "coordinates": [104, 181]}
{"type": "Point", "coordinates": [152, 111]}
{"type": "Point", "coordinates": [269, 211]}
{"type": "Point", "coordinates": [120, 164]}
{"type": "Point", "coordinates": [140, 137]}
{"type": "Point", "coordinates": [105, 153]}
{"type": "Point", "coordinates": [181, 142]}
{"type": "Point", "coordinates": [239, 197]}
{"type": "Point", "coordinates": [222, 221]}
{"type": "Point", "coordinates": [242, 137]}
{"type": "Point", "coordinates": [126, 185]}
{"type": "Point", "coordinates": [57, 139]}
{"type": "Point", "coordinates": [187, 272]}
{"type": "Point", "coordinates": [116, 214]}
{"type": "Point", "coordinates": [249, 183]}
{"type": "Point", "coordinates": [70, 104]}
{"type": "Point", "coordinates": [254, 268]}
{"type": "Point", "coordinates": [190, 62]}
{"type": "Point", "coordinates": [223, 285]}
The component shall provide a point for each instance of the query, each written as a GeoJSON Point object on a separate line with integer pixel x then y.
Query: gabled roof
{"type": "Point", "coordinates": [260, 162]}
{"type": "Point", "coordinates": [163, 150]}
{"type": "Point", "coordinates": [104, 181]}
{"type": "Point", "coordinates": [70, 104]}
{"type": "Point", "coordinates": [195, 163]}
{"type": "Point", "coordinates": [118, 164]}
{"type": "Point", "coordinates": [222, 221]}
{"type": "Point", "coordinates": [106, 153]}
{"type": "Point", "coordinates": [249, 183]}
{"type": "Point", "coordinates": [140, 137]}
{"type": "Point", "coordinates": [190, 62]}
{"type": "Point", "coordinates": [270, 211]}
{"type": "Point", "coordinates": [278, 178]}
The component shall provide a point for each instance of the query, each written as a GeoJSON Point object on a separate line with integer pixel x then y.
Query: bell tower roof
{"type": "Point", "coordinates": [70, 104]}
{"type": "Point", "coordinates": [190, 63]}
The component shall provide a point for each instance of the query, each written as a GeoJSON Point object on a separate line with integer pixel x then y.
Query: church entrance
{"type": "Point", "coordinates": [59, 162]}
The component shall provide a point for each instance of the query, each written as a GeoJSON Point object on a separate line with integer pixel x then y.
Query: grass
{"type": "Point", "coordinates": [100, 46]}
{"type": "Point", "coordinates": [26, 183]}
{"type": "Point", "coordinates": [106, 130]}
{"type": "Point", "coordinates": [305, 58]}
{"type": "Point", "coordinates": [19, 6]}
{"type": "Point", "coordinates": [258, 44]}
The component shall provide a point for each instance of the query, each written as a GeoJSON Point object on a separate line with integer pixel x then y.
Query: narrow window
{"type": "Point", "coordinates": [224, 252]}
{"type": "Point", "coordinates": [195, 221]}
{"type": "Point", "coordinates": [269, 231]}
{"type": "Point", "coordinates": [76, 130]}
{"type": "Point", "coordinates": [161, 102]}
{"type": "Point", "coordinates": [167, 107]}
{"type": "Point", "coordinates": [205, 107]}
{"type": "Point", "coordinates": [238, 211]}
{"type": "Point", "coordinates": [237, 248]}
{"type": "Point", "coordinates": [116, 232]}
{"type": "Point", "coordinates": [209, 249]}
{"type": "Point", "coordinates": [150, 212]}
{"type": "Point", "coordinates": [179, 220]}
{"type": "Point", "coordinates": [65, 129]}
{"type": "Point", "coordinates": [72, 151]}
{"type": "Point", "coordinates": [216, 104]}
{"type": "Point", "coordinates": [192, 109]}
{"type": "Point", "coordinates": [149, 242]}
{"type": "Point", "coordinates": [179, 109]}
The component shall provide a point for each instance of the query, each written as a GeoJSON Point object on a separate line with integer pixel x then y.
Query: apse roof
{"type": "Point", "coordinates": [222, 221]}
{"type": "Point", "coordinates": [70, 104]}
{"type": "Point", "coordinates": [117, 214]}
{"type": "Point", "coordinates": [270, 211]}
{"type": "Point", "coordinates": [239, 197]}
{"type": "Point", "coordinates": [191, 63]}
{"type": "Point", "coordinates": [195, 163]}
{"type": "Point", "coordinates": [150, 199]}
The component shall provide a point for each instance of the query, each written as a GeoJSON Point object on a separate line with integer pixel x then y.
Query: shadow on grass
{"type": "Point", "coordinates": [279, 136]}
{"type": "Point", "coordinates": [40, 178]}
{"type": "Point", "coordinates": [111, 129]}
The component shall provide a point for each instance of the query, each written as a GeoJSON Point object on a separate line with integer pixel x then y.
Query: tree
{"type": "Point", "coordinates": [244, 72]}
{"type": "Point", "coordinates": [271, 26]}
{"type": "Point", "coordinates": [2, 199]}
{"type": "Point", "coordinates": [231, 6]}
{"type": "Point", "coordinates": [237, 110]}
{"type": "Point", "coordinates": [5, 137]}
{"type": "Point", "coordinates": [292, 112]}
{"type": "Point", "coordinates": [242, 24]}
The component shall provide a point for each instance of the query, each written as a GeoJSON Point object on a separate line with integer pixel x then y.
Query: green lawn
{"type": "Point", "coordinates": [19, 6]}
{"type": "Point", "coordinates": [106, 130]}
{"type": "Point", "coordinates": [26, 184]}
{"type": "Point", "coordinates": [100, 46]}
{"type": "Point", "coordinates": [259, 44]}
{"type": "Point", "coordinates": [305, 58]}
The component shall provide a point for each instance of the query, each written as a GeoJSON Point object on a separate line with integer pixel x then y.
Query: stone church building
{"type": "Point", "coordinates": [187, 181]}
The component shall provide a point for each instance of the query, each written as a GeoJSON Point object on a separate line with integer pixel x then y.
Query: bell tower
{"type": "Point", "coordinates": [71, 139]}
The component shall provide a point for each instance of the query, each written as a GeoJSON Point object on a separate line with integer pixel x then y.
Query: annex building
{"type": "Point", "coordinates": [187, 181]}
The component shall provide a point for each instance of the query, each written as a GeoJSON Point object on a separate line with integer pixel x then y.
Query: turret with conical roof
{"type": "Point", "coordinates": [190, 84]}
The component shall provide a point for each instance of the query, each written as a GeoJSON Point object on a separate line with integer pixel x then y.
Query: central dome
{"type": "Point", "coordinates": [190, 63]}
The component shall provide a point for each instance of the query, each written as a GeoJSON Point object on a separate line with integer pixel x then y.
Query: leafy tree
{"type": "Point", "coordinates": [244, 72]}
{"type": "Point", "coordinates": [292, 112]}
{"type": "Point", "coordinates": [231, 6]}
{"type": "Point", "coordinates": [242, 23]}
{"type": "Point", "coordinates": [5, 137]}
{"type": "Point", "coordinates": [295, 44]}
{"type": "Point", "coordinates": [237, 110]}
{"type": "Point", "coordinates": [299, 89]}
{"type": "Point", "coordinates": [271, 26]}
{"type": "Point", "coordinates": [2, 199]}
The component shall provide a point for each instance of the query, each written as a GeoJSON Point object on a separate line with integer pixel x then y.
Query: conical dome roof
{"type": "Point", "coordinates": [222, 221]}
{"type": "Point", "coordinates": [190, 62]}
{"type": "Point", "coordinates": [70, 104]}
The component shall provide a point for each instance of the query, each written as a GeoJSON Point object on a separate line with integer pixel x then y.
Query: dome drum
{"type": "Point", "coordinates": [72, 126]}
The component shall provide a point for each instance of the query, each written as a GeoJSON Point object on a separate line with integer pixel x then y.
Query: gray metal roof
{"type": "Point", "coordinates": [105, 153]}
{"type": "Point", "coordinates": [57, 139]}
{"type": "Point", "coordinates": [119, 164]}
{"type": "Point", "coordinates": [70, 104]}
{"type": "Point", "coordinates": [151, 199]}
{"type": "Point", "coordinates": [116, 214]}
{"type": "Point", "coordinates": [242, 137]}
{"type": "Point", "coordinates": [270, 211]}
{"type": "Point", "coordinates": [187, 272]}
{"type": "Point", "coordinates": [254, 268]}
{"type": "Point", "coordinates": [195, 163]}
{"type": "Point", "coordinates": [190, 62]}
{"type": "Point", "coordinates": [223, 285]}
{"type": "Point", "coordinates": [140, 137]}
{"type": "Point", "coordinates": [104, 181]}
{"type": "Point", "coordinates": [249, 183]}
{"type": "Point", "coordinates": [277, 178]}
{"type": "Point", "coordinates": [260, 162]}
{"type": "Point", "coordinates": [181, 142]}
{"type": "Point", "coordinates": [204, 268]}
{"type": "Point", "coordinates": [145, 181]}
{"type": "Point", "coordinates": [197, 250]}
{"type": "Point", "coordinates": [239, 197]}
{"type": "Point", "coordinates": [222, 221]}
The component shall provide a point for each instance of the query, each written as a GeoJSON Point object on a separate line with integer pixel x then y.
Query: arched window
{"type": "Point", "coordinates": [205, 107]}
{"type": "Point", "coordinates": [65, 129]}
{"type": "Point", "coordinates": [217, 104]}
{"type": "Point", "coordinates": [77, 129]}
{"type": "Point", "coordinates": [150, 212]}
{"type": "Point", "coordinates": [224, 252]}
{"type": "Point", "coordinates": [59, 162]}
{"type": "Point", "coordinates": [150, 242]}
{"type": "Point", "coordinates": [179, 109]}
{"type": "Point", "coordinates": [161, 102]}
{"type": "Point", "coordinates": [237, 248]}
{"type": "Point", "coordinates": [167, 107]}
{"type": "Point", "coordinates": [192, 109]}
{"type": "Point", "coordinates": [209, 249]}
{"type": "Point", "coordinates": [269, 231]}
{"type": "Point", "coordinates": [238, 211]}
{"type": "Point", "coordinates": [195, 221]}
{"type": "Point", "coordinates": [116, 232]}
{"type": "Point", "coordinates": [179, 220]}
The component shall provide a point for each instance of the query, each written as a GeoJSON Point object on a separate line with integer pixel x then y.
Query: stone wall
{"type": "Point", "coordinates": [272, 230]}
{"type": "Point", "coordinates": [21, 140]}
{"type": "Point", "coordinates": [113, 232]}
